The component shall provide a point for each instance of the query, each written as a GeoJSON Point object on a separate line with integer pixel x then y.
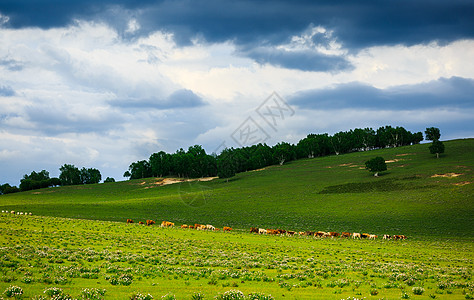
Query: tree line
{"type": "Point", "coordinates": [195, 163]}
{"type": "Point", "coordinates": [70, 175]}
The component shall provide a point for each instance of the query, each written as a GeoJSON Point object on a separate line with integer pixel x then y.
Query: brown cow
{"type": "Point", "coordinates": [167, 224]}
{"type": "Point", "coordinates": [333, 234]}
{"type": "Point", "coordinates": [184, 226]}
{"type": "Point", "coordinates": [272, 231]}
{"type": "Point", "coordinates": [320, 234]}
{"type": "Point", "coordinates": [141, 223]}
{"type": "Point", "coordinates": [364, 235]}
{"type": "Point", "coordinates": [290, 233]}
{"type": "Point", "coordinates": [253, 230]}
{"type": "Point", "coordinates": [227, 229]}
{"type": "Point", "coordinates": [310, 233]}
{"type": "Point", "coordinates": [197, 226]}
{"type": "Point", "coordinates": [129, 221]}
{"type": "Point", "coordinates": [345, 234]}
{"type": "Point", "coordinates": [281, 231]}
{"type": "Point", "coordinates": [191, 226]}
{"type": "Point", "coordinates": [150, 222]}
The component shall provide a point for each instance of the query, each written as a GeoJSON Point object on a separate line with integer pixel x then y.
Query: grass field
{"type": "Point", "coordinates": [44, 252]}
{"type": "Point", "coordinates": [77, 237]}
{"type": "Point", "coordinates": [330, 193]}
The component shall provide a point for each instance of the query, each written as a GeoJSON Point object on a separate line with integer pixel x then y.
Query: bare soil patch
{"type": "Point", "coordinates": [447, 175]}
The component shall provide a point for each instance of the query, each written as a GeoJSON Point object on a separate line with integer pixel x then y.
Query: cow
{"type": "Point", "coordinates": [141, 223]}
{"type": "Point", "coordinates": [310, 233]}
{"type": "Point", "coordinates": [386, 237]}
{"type": "Point", "coordinates": [320, 234]}
{"type": "Point", "coordinates": [281, 231]}
{"type": "Point", "coordinates": [301, 233]}
{"type": "Point", "coordinates": [333, 234]}
{"type": "Point", "coordinates": [356, 235]}
{"type": "Point", "coordinates": [290, 233]}
{"type": "Point", "coordinates": [210, 227]}
{"type": "Point", "coordinates": [191, 226]}
{"type": "Point", "coordinates": [129, 221]}
{"type": "Point", "coordinates": [149, 222]}
{"type": "Point", "coordinates": [399, 237]}
{"type": "Point", "coordinates": [364, 235]}
{"type": "Point", "coordinates": [272, 231]}
{"type": "Point", "coordinates": [200, 227]}
{"type": "Point", "coordinates": [372, 236]}
{"type": "Point", "coordinates": [254, 230]}
{"type": "Point", "coordinates": [167, 224]}
{"type": "Point", "coordinates": [12, 212]}
{"type": "Point", "coordinates": [30, 214]}
{"type": "Point", "coordinates": [226, 229]}
{"type": "Point", "coordinates": [262, 231]}
{"type": "Point", "coordinates": [184, 226]}
{"type": "Point", "coordinates": [345, 234]}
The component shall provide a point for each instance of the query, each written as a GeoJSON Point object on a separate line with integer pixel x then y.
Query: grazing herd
{"type": "Point", "coordinates": [184, 226]}
{"type": "Point", "coordinates": [323, 234]}
{"type": "Point", "coordinates": [316, 234]}
{"type": "Point", "coordinates": [17, 213]}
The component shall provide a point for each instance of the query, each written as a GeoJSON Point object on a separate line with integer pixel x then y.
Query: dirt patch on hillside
{"type": "Point", "coordinates": [462, 183]}
{"type": "Point", "coordinates": [393, 160]}
{"type": "Point", "coordinates": [167, 181]}
{"type": "Point", "coordinates": [405, 154]}
{"type": "Point", "coordinates": [249, 171]}
{"type": "Point", "coordinates": [447, 175]}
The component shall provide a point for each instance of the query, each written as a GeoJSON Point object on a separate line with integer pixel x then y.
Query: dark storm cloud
{"type": "Point", "coordinates": [179, 99]}
{"type": "Point", "coordinates": [301, 60]}
{"type": "Point", "coordinates": [451, 93]}
{"type": "Point", "coordinates": [357, 24]}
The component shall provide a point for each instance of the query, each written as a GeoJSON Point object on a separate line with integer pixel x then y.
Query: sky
{"type": "Point", "coordinates": [101, 84]}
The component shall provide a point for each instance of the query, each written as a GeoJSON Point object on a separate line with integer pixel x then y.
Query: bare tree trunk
{"type": "Point", "coordinates": [376, 174]}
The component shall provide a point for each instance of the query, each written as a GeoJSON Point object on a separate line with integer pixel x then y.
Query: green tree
{"type": "Point", "coordinates": [8, 189]}
{"type": "Point", "coordinates": [437, 147]}
{"type": "Point", "coordinates": [376, 165]}
{"type": "Point", "coordinates": [70, 175]}
{"type": "Point", "coordinates": [432, 134]}
{"type": "Point", "coordinates": [283, 152]}
{"type": "Point", "coordinates": [226, 164]}
{"type": "Point", "coordinates": [109, 179]}
{"type": "Point", "coordinates": [90, 176]}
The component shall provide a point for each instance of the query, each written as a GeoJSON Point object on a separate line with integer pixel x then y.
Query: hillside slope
{"type": "Point", "coordinates": [418, 195]}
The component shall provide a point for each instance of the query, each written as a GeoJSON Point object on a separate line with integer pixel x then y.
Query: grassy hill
{"type": "Point", "coordinates": [333, 193]}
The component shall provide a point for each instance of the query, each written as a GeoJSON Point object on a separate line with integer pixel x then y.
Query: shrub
{"type": "Point", "coordinates": [53, 291]}
{"type": "Point", "coordinates": [418, 290]}
{"type": "Point", "coordinates": [230, 295]}
{"type": "Point", "coordinates": [13, 292]}
{"type": "Point", "coordinates": [260, 296]}
{"type": "Point", "coordinates": [93, 294]}
{"type": "Point", "coordinates": [374, 292]}
{"type": "Point", "coordinates": [197, 296]}
{"type": "Point", "coordinates": [168, 296]}
{"type": "Point", "coordinates": [139, 296]}
{"type": "Point", "coordinates": [405, 296]}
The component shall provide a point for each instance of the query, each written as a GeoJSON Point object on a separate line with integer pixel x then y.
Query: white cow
{"type": "Point", "coordinates": [262, 231]}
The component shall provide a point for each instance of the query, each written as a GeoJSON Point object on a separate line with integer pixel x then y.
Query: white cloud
{"type": "Point", "coordinates": [65, 81]}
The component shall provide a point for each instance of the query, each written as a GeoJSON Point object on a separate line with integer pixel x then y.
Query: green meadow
{"type": "Point", "coordinates": [77, 237]}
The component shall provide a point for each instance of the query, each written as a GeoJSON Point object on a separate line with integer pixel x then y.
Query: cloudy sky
{"type": "Point", "coordinates": [104, 83]}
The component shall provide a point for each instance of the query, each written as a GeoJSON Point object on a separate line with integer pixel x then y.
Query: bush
{"type": "Point", "coordinates": [168, 296]}
{"type": "Point", "coordinates": [139, 296]}
{"type": "Point", "coordinates": [13, 292]}
{"type": "Point", "coordinates": [405, 296]}
{"type": "Point", "coordinates": [418, 290]}
{"type": "Point", "coordinates": [93, 294]}
{"type": "Point", "coordinates": [374, 292]}
{"type": "Point", "coordinates": [230, 295]}
{"type": "Point", "coordinates": [197, 296]}
{"type": "Point", "coordinates": [260, 296]}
